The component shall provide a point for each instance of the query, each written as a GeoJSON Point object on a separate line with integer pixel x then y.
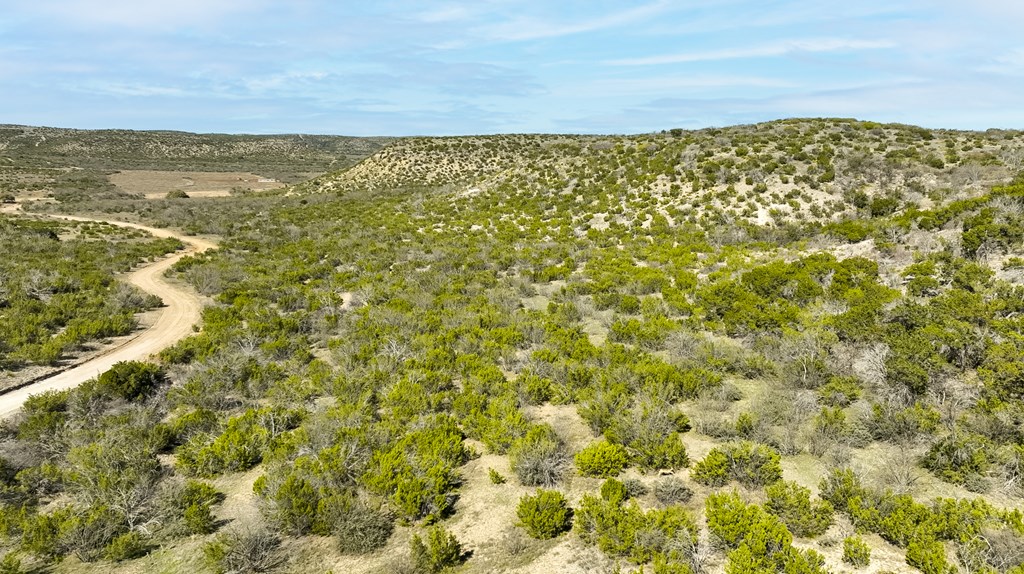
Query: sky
{"type": "Point", "coordinates": [408, 67]}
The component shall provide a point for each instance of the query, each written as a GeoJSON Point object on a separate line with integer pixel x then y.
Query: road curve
{"type": "Point", "coordinates": [180, 312]}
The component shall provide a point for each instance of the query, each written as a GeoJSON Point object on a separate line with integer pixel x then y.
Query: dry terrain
{"type": "Point", "coordinates": [154, 184]}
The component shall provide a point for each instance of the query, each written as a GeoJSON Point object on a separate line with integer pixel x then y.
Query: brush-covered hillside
{"type": "Point", "coordinates": [73, 165]}
{"type": "Point", "coordinates": [28, 146]}
{"type": "Point", "coordinates": [784, 170]}
{"type": "Point", "coordinates": [791, 347]}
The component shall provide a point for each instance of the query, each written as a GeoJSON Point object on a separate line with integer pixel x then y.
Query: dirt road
{"type": "Point", "coordinates": [180, 312]}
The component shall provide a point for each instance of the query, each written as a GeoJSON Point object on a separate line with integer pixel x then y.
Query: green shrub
{"type": "Point", "coordinates": [11, 564]}
{"type": "Point", "coordinates": [601, 460]}
{"type": "Point", "coordinates": [176, 194]}
{"type": "Point", "coordinates": [792, 504]}
{"type": "Point", "coordinates": [614, 491]}
{"type": "Point", "coordinates": [418, 472]}
{"type": "Point", "coordinates": [198, 519]}
{"type": "Point", "coordinates": [131, 380]}
{"type": "Point", "coordinates": [545, 514]}
{"type": "Point", "coordinates": [714, 470]}
{"type": "Point", "coordinates": [241, 446]}
{"type": "Point", "coordinates": [745, 424]}
{"type": "Point", "coordinates": [89, 531]}
{"type": "Point", "coordinates": [538, 389]}
{"type": "Point", "coordinates": [929, 556]}
{"type": "Point", "coordinates": [840, 391]}
{"type": "Point", "coordinates": [295, 505]}
{"type": "Point", "coordinates": [670, 453]}
{"type": "Point", "coordinates": [41, 533]}
{"type": "Point", "coordinates": [625, 530]}
{"type": "Point", "coordinates": [750, 464]}
{"type": "Point", "coordinates": [495, 476]}
{"type": "Point", "coordinates": [758, 541]}
{"type": "Point", "coordinates": [958, 459]}
{"type": "Point", "coordinates": [440, 551]}
{"type": "Point", "coordinates": [856, 552]}
{"type": "Point", "coordinates": [127, 546]}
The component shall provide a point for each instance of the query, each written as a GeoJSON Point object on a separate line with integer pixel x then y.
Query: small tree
{"type": "Point", "coordinates": [544, 515]}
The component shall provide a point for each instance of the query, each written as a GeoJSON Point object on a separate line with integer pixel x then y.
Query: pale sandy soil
{"type": "Point", "coordinates": [154, 184]}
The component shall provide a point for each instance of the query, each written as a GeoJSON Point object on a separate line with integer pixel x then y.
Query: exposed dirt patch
{"type": "Point", "coordinates": [155, 184]}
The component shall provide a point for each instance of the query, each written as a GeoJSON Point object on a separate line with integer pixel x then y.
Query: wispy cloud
{"type": "Point", "coordinates": [811, 45]}
{"type": "Point", "coordinates": [672, 84]}
{"type": "Point", "coordinates": [461, 66]}
{"type": "Point", "coordinates": [1008, 64]}
{"type": "Point", "coordinates": [133, 90]}
{"type": "Point", "coordinates": [527, 28]}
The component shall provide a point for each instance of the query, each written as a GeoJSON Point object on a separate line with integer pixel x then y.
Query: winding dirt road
{"type": "Point", "coordinates": [179, 313]}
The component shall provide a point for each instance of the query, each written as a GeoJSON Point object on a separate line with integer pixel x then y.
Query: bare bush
{"type": "Point", "coordinates": [899, 473]}
{"type": "Point", "coordinates": [245, 550]}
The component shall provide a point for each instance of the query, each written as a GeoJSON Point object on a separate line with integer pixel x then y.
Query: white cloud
{"type": "Point", "coordinates": [670, 84]}
{"type": "Point", "coordinates": [133, 90]}
{"type": "Point", "coordinates": [520, 29]}
{"type": "Point", "coordinates": [813, 45]}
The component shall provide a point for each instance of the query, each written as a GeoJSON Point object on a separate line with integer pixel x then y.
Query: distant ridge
{"type": "Point", "coordinates": [108, 149]}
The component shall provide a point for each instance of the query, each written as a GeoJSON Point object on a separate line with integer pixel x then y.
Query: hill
{"type": "Point", "coordinates": [76, 164]}
{"type": "Point", "coordinates": [170, 150]}
{"type": "Point", "coordinates": [789, 169]}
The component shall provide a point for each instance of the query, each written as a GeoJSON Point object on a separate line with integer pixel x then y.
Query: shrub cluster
{"type": "Point", "coordinates": [919, 528]}
{"type": "Point", "coordinates": [545, 514]}
{"type": "Point", "coordinates": [622, 529]}
{"type": "Point", "coordinates": [757, 540]}
{"type": "Point", "coordinates": [792, 504]}
{"type": "Point", "coordinates": [750, 464]}
{"type": "Point", "coordinates": [601, 460]}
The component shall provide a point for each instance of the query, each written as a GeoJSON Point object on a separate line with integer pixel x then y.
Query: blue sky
{"type": "Point", "coordinates": [491, 66]}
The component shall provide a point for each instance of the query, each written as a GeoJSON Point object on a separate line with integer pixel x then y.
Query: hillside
{"type": "Point", "coordinates": [789, 347]}
{"type": "Point", "coordinates": [72, 165]}
{"type": "Point", "coordinates": [28, 146]}
{"type": "Point", "coordinates": [791, 169]}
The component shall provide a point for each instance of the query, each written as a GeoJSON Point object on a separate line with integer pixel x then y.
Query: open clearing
{"type": "Point", "coordinates": [155, 184]}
